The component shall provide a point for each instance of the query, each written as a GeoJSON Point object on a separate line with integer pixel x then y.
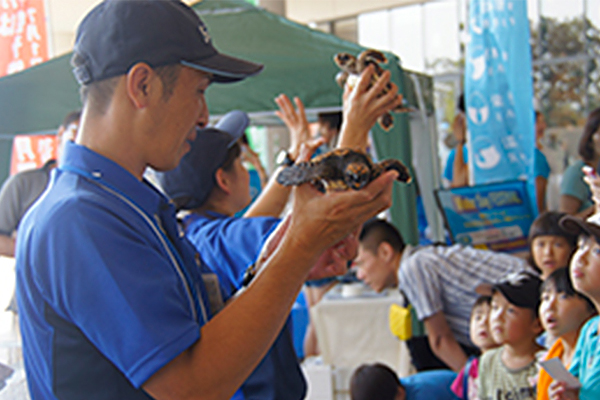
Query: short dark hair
{"type": "Point", "coordinates": [232, 154]}
{"type": "Point", "coordinates": [561, 280]}
{"type": "Point", "coordinates": [100, 93]}
{"type": "Point", "coordinates": [547, 224]}
{"type": "Point", "coordinates": [333, 119]}
{"type": "Point", "coordinates": [586, 145]}
{"type": "Point", "coordinates": [484, 299]}
{"type": "Point", "coordinates": [376, 231]}
{"type": "Point", "coordinates": [374, 381]}
{"type": "Point", "coordinates": [73, 116]}
{"type": "Point", "coordinates": [460, 102]}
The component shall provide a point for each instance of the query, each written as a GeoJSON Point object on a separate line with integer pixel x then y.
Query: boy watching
{"type": "Point", "coordinates": [510, 371]}
{"type": "Point", "coordinates": [465, 384]}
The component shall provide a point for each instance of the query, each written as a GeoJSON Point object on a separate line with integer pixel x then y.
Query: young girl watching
{"type": "Point", "coordinates": [563, 312]}
{"type": "Point", "coordinates": [551, 246]}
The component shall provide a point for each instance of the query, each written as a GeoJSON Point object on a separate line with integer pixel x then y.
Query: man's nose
{"type": "Point", "coordinates": [202, 120]}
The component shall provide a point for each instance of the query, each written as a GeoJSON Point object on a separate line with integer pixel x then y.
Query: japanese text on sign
{"type": "Point", "coordinates": [23, 38]}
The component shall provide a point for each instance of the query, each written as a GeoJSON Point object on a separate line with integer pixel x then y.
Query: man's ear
{"type": "Point", "coordinates": [141, 81]}
{"type": "Point", "coordinates": [385, 251]}
{"type": "Point", "coordinates": [222, 180]}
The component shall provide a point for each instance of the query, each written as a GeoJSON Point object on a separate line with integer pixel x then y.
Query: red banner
{"type": "Point", "coordinates": [32, 151]}
{"type": "Point", "coordinates": [23, 35]}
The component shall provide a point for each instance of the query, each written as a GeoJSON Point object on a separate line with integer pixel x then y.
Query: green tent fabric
{"type": "Point", "coordinates": [298, 61]}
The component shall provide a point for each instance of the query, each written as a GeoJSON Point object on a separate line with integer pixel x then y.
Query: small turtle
{"type": "Point", "coordinates": [351, 68]}
{"type": "Point", "coordinates": [340, 169]}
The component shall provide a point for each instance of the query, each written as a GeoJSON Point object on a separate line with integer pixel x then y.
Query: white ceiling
{"type": "Point", "coordinates": [305, 11]}
{"type": "Point", "coordinates": [65, 15]}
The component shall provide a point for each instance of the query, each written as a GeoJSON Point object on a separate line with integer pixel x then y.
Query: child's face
{"type": "Point", "coordinates": [480, 327]}
{"type": "Point", "coordinates": [561, 314]}
{"type": "Point", "coordinates": [585, 268]}
{"type": "Point", "coordinates": [550, 252]}
{"type": "Point", "coordinates": [511, 324]}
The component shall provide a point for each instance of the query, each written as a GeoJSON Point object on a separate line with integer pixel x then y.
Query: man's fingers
{"type": "Point", "coordinates": [300, 110]}
{"type": "Point", "coordinates": [381, 83]}
{"type": "Point", "coordinates": [364, 80]}
{"type": "Point", "coordinates": [307, 149]}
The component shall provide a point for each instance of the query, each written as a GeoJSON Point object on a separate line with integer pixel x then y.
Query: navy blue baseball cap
{"type": "Point", "coordinates": [194, 178]}
{"type": "Point", "coordinates": [117, 34]}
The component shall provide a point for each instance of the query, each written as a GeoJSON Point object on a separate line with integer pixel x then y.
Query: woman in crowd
{"type": "Point", "coordinates": [575, 195]}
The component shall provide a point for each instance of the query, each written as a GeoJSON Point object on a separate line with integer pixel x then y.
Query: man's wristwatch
{"type": "Point", "coordinates": [284, 159]}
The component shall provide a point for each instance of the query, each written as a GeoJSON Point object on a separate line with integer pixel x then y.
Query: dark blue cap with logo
{"type": "Point", "coordinates": [117, 34]}
{"type": "Point", "coordinates": [194, 178]}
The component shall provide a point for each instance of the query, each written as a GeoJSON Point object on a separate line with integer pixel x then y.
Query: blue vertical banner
{"type": "Point", "coordinates": [499, 91]}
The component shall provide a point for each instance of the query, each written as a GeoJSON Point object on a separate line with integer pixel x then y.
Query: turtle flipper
{"type": "Point", "coordinates": [341, 78]}
{"type": "Point", "coordinates": [370, 56]}
{"type": "Point", "coordinates": [391, 164]}
{"type": "Point", "coordinates": [296, 174]}
{"type": "Point", "coordinates": [386, 121]}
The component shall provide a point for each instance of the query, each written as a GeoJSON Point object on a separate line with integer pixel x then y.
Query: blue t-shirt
{"type": "Point", "coordinates": [448, 169]}
{"type": "Point", "coordinates": [540, 164]}
{"type": "Point", "coordinates": [108, 292]}
{"type": "Point", "coordinates": [586, 361]}
{"type": "Point", "coordinates": [572, 184]}
{"type": "Point", "coordinates": [228, 246]}
{"type": "Point", "coordinates": [429, 385]}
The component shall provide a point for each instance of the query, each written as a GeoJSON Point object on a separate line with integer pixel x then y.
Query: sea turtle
{"type": "Point", "coordinates": [340, 169]}
{"type": "Point", "coordinates": [351, 68]}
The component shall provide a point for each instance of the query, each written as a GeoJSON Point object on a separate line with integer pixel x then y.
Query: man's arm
{"type": "Point", "coordinates": [233, 342]}
{"type": "Point", "coordinates": [460, 169]}
{"type": "Point", "coordinates": [274, 197]}
{"type": "Point", "coordinates": [354, 133]}
{"type": "Point", "coordinates": [540, 192]}
{"type": "Point", "coordinates": [442, 341]}
{"type": "Point", "coordinates": [570, 204]}
{"type": "Point", "coordinates": [7, 246]}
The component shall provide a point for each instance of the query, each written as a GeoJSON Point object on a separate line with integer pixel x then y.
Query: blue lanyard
{"type": "Point", "coordinates": [179, 264]}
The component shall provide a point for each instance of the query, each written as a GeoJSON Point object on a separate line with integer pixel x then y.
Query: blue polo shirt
{"type": "Point", "coordinates": [108, 292]}
{"type": "Point", "coordinates": [586, 361]}
{"type": "Point", "coordinates": [229, 245]}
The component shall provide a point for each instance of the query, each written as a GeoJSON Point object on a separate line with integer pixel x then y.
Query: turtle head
{"type": "Point", "coordinates": [346, 62]}
{"type": "Point", "coordinates": [357, 175]}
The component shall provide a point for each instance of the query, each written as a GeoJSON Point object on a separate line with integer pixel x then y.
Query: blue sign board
{"type": "Point", "coordinates": [495, 216]}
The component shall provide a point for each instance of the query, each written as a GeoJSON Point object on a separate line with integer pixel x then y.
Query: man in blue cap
{"type": "Point", "coordinates": [114, 303]}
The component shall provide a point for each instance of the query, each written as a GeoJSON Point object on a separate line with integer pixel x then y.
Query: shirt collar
{"type": "Point", "coordinates": [109, 173]}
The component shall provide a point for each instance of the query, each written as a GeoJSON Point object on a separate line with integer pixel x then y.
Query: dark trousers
{"type": "Point", "coordinates": [423, 358]}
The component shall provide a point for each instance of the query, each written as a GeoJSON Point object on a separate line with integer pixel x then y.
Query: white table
{"type": "Point", "coordinates": [355, 330]}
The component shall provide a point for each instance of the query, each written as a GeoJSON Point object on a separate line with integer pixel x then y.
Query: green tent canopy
{"type": "Point", "coordinates": [298, 61]}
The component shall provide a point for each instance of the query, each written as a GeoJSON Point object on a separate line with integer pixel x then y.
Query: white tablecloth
{"type": "Point", "coordinates": [354, 330]}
